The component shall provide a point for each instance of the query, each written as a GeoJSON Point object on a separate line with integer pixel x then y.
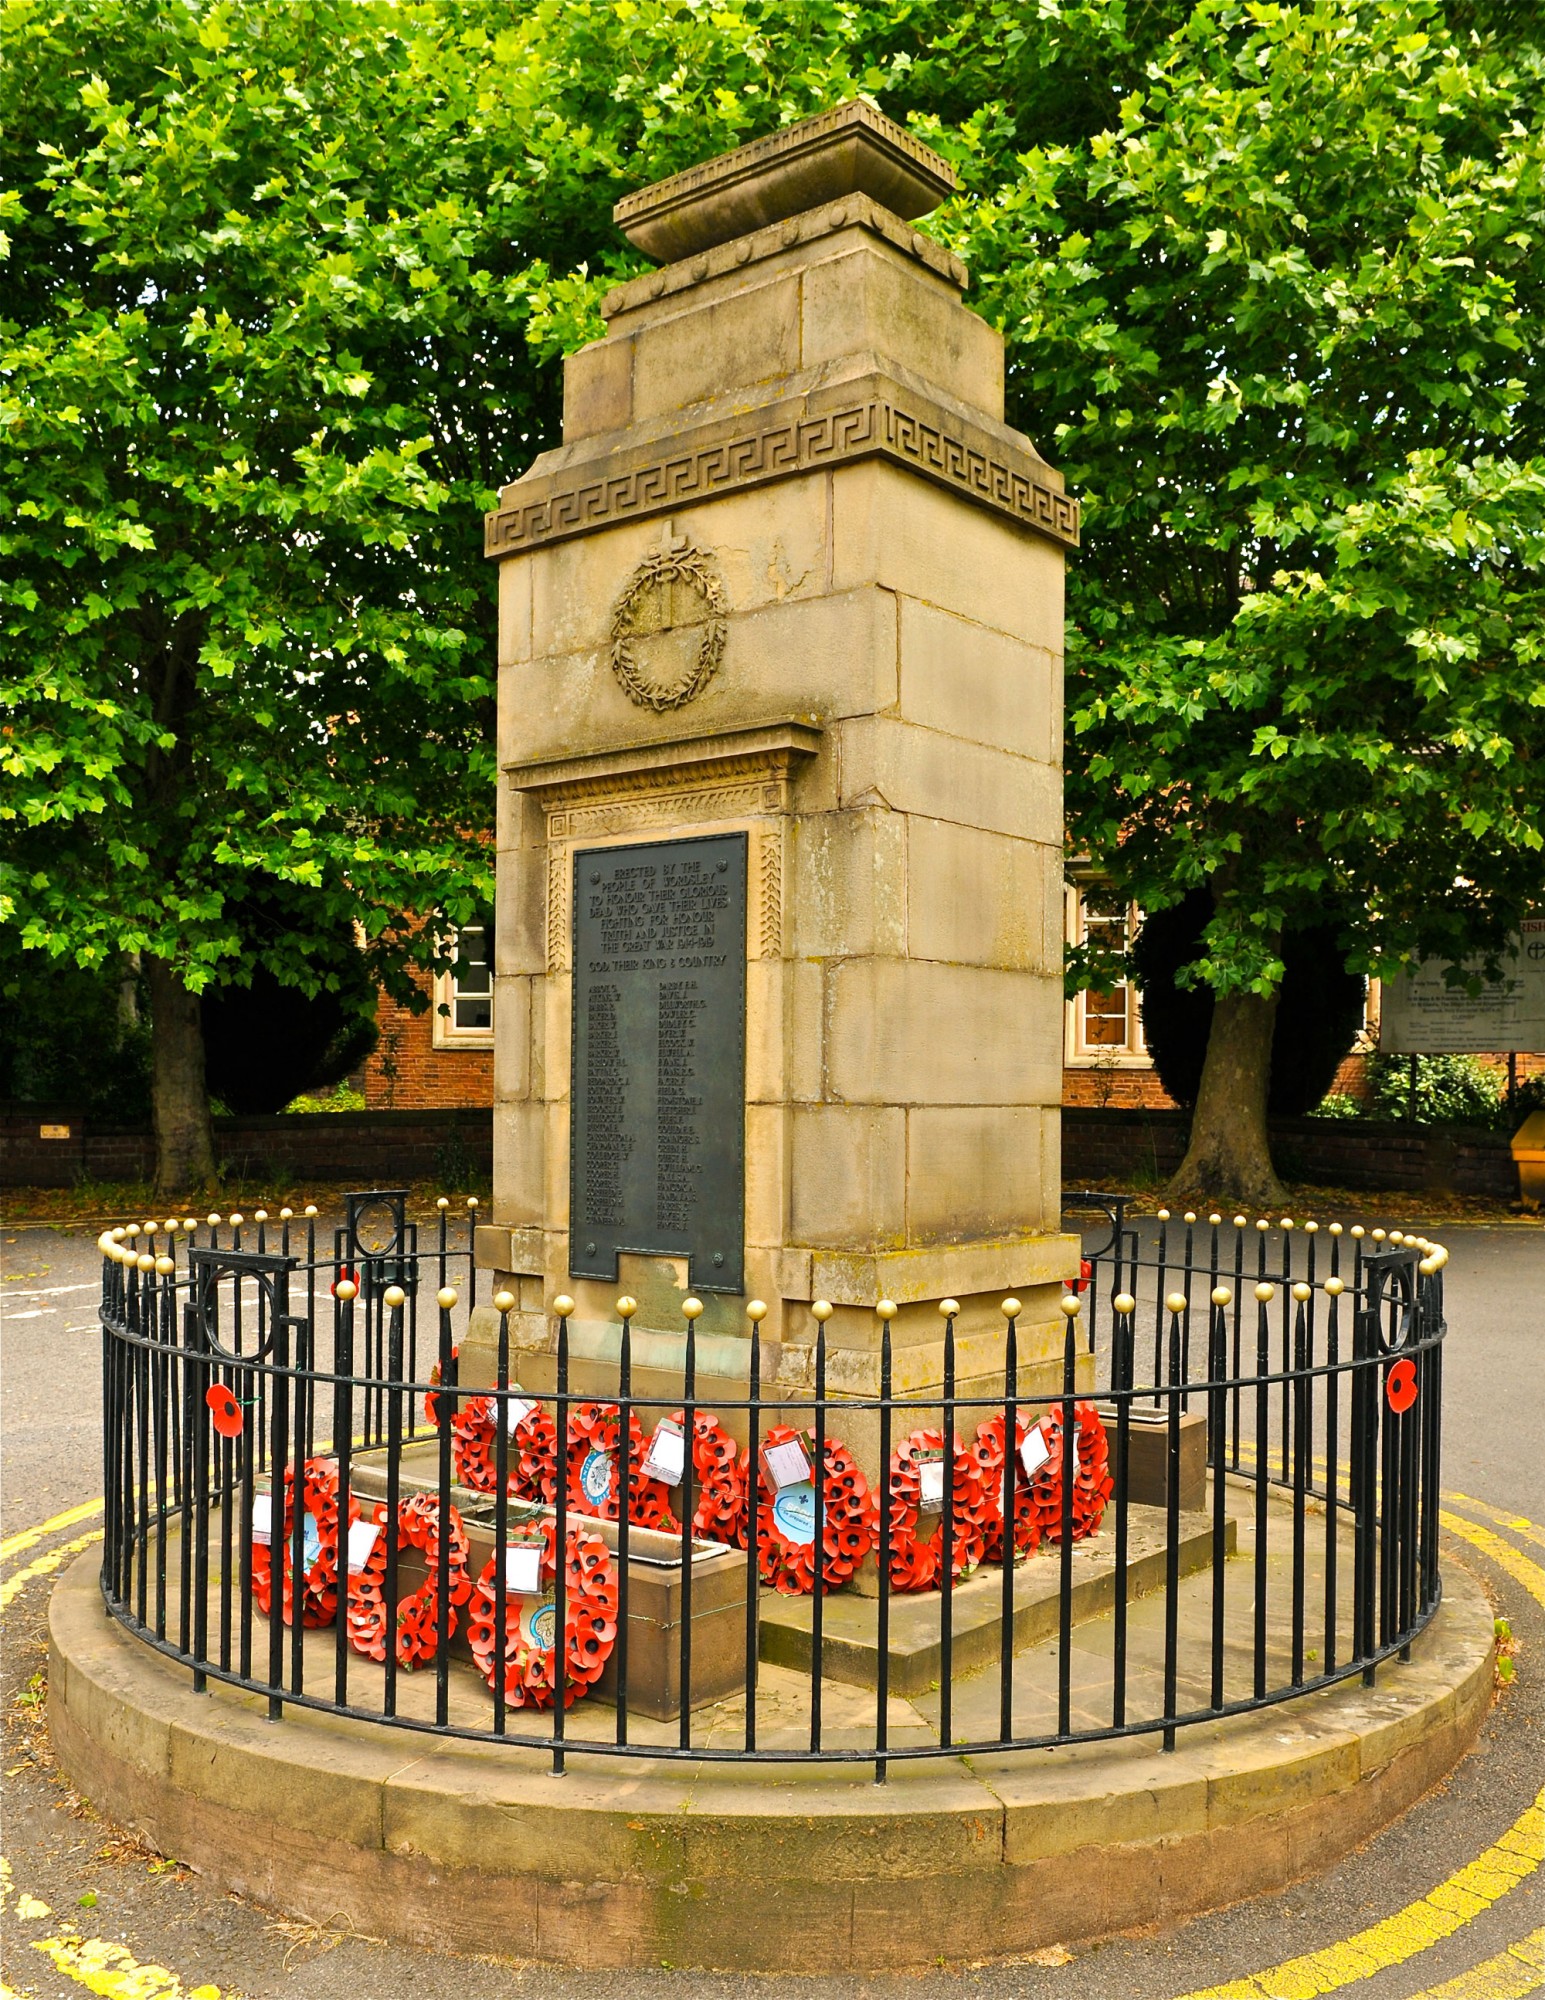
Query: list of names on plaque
{"type": "Point", "coordinates": [658, 1106]}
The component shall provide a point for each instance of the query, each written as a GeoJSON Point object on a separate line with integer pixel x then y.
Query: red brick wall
{"type": "Point", "coordinates": [406, 1072]}
{"type": "Point", "coordinates": [365, 1148]}
{"type": "Point", "coordinates": [1141, 1090]}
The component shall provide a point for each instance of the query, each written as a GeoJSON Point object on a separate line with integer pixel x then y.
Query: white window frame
{"type": "Point", "coordinates": [446, 1033]}
{"type": "Point", "coordinates": [1078, 1052]}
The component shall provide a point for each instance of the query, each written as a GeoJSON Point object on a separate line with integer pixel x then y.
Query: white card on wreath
{"type": "Point", "coordinates": [786, 1463]}
{"type": "Point", "coordinates": [667, 1458]}
{"type": "Point", "coordinates": [262, 1519]}
{"type": "Point", "coordinates": [930, 1485]}
{"type": "Point", "coordinates": [363, 1536]}
{"type": "Point", "coordinates": [516, 1411]}
{"type": "Point", "coordinates": [523, 1568]}
{"type": "Point", "coordinates": [1035, 1451]}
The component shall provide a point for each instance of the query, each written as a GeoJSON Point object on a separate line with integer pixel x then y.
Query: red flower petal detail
{"type": "Point", "coordinates": [226, 1411]}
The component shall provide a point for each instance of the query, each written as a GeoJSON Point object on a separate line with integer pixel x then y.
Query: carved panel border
{"type": "Point", "coordinates": [786, 439]}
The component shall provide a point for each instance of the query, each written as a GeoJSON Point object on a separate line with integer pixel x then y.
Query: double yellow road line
{"type": "Point", "coordinates": [109, 1970]}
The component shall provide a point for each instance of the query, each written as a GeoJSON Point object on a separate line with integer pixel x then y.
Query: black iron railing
{"type": "Point", "coordinates": [1218, 1490]}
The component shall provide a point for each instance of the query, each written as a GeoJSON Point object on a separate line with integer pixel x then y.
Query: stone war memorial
{"type": "Point", "coordinates": [772, 1537]}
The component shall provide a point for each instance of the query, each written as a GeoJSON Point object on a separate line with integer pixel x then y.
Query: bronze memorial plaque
{"type": "Point", "coordinates": [657, 1131]}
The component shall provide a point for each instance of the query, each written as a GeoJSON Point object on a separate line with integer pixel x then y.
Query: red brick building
{"type": "Point", "coordinates": [443, 1058]}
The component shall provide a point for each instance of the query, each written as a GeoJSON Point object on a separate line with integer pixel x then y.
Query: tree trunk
{"type": "Point", "coordinates": [1229, 1157]}
{"type": "Point", "coordinates": [185, 1149]}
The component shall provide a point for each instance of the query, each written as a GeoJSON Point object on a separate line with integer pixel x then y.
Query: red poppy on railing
{"type": "Point", "coordinates": [1400, 1386]}
{"type": "Point", "coordinates": [225, 1411]}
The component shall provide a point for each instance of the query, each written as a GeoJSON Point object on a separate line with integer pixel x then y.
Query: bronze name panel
{"type": "Point", "coordinates": [657, 1149]}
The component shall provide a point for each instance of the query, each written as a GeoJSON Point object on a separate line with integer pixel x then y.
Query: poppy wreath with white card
{"type": "Point", "coordinates": [319, 1545]}
{"type": "Point", "coordinates": [1092, 1482]}
{"type": "Point", "coordinates": [474, 1437]}
{"type": "Point", "coordinates": [988, 1453]}
{"type": "Point", "coordinates": [414, 1619]}
{"type": "Point", "coordinates": [786, 1515]}
{"type": "Point", "coordinates": [594, 1433]}
{"type": "Point", "coordinates": [917, 1512]}
{"type": "Point", "coordinates": [721, 1484]}
{"type": "Point", "coordinates": [529, 1654]}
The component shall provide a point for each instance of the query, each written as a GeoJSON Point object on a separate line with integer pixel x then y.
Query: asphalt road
{"type": "Point", "coordinates": [107, 1889]}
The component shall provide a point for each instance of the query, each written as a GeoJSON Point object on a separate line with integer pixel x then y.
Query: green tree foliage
{"type": "Point", "coordinates": [1316, 1023]}
{"type": "Point", "coordinates": [1281, 324]}
{"type": "Point", "coordinates": [289, 279]}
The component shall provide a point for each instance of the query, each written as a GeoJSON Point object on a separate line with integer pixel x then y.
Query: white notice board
{"type": "Point", "coordinates": [1420, 1015]}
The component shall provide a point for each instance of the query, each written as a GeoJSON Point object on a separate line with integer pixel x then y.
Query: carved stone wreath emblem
{"type": "Point", "coordinates": [668, 626]}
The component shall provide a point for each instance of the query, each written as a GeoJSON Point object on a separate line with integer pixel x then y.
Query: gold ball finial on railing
{"type": "Point", "coordinates": [756, 1311]}
{"type": "Point", "coordinates": [145, 1261]}
{"type": "Point", "coordinates": [1241, 1221]}
{"type": "Point", "coordinates": [286, 1215]}
{"type": "Point", "coordinates": [443, 1202]}
{"type": "Point", "coordinates": [626, 1307]}
{"type": "Point", "coordinates": [446, 1297]}
{"type": "Point", "coordinates": [394, 1297]}
{"type": "Point", "coordinates": [1071, 1305]}
{"type": "Point", "coordinates": [1164, 1215]}
{"type": "Point", "coordinates": [1124, 1303]}
{"type": "Point", "coordinates": [1222, 1296]}
{"type": "Point", "coordinates": [504, 1302]}
{"type": "Point", "coordinates": [949, 1308]}
{"type": "Point", "coordinates": [310, 1211]}
{"type": "Point", "coordinates": [1311, 1229]}
{"type": "Point", "coordinates": [1358, 1231]}
{"type": "Point", "coordinates": [1011, 1308]}
{"type": "Point", "coordinates": [692, 1308]}
{"type": "Point", "coordinates": [822, 1310]}
{"type": "Point", "coordinates": [165, 1266]}
{"type": "Point", "coordinates": [260, 1215]}
{"type": "Point", "coordinates": [1288, 1222]}
{"type": "Point", "coordinates": [1215, 1220]}
{"type": "Point", "coordinates": [1335, 1229]}
{"type": "Point", "coordinates": [885, 1309]}
{"type": "Point", "coordinates": [1302, 1292]}
{"type": "Point", "coordinates": [1189, 1216]}
{"type": "Point", "coordinates": [472, 1201]}
{"type": "Point", "coordinates": [346, 1289]}
{"type": "Point", "coordinates": [1176, 1302]}
{"type": "Point", "coordinates": [563, 1305]}
{"type": "Point", "coordinates": [1334, 1287]}
{"type": "Point", "coordinates": [1265, 1293]}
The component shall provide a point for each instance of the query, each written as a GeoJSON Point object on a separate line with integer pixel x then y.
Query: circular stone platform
{"type": "Point", "coordinates": [625, 1862]}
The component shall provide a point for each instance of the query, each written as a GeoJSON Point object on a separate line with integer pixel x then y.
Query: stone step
{"type": "Point", "coordinates": [850, 1623]}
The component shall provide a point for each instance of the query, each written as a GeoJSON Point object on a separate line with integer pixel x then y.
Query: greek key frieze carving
{"type": "Point", "coordinates": [788, 440]}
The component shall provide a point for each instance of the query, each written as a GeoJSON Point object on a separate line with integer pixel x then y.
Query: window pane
{"type": "Point", "coordinates": [472, 1007]}
{"type": "Point", "coordinates": [1105, 1018]}
{"type": "Point", "coordinates": [472, 972]}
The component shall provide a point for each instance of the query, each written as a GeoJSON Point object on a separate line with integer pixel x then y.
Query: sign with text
{"type": "Point", "coordinates": [657, 1130]}
{"type": "Point", "coordinates": [1421, 1014]}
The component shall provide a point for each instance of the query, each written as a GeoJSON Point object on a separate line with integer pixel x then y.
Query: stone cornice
{"type": "Point", "coordinates": [854, 211]}
{"type": "Point", "coordinates": [837, 152]}
{"type": "Point", "coordinates": [839, 424]}
{"type": "Point", "coordinates": [770, 750]}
